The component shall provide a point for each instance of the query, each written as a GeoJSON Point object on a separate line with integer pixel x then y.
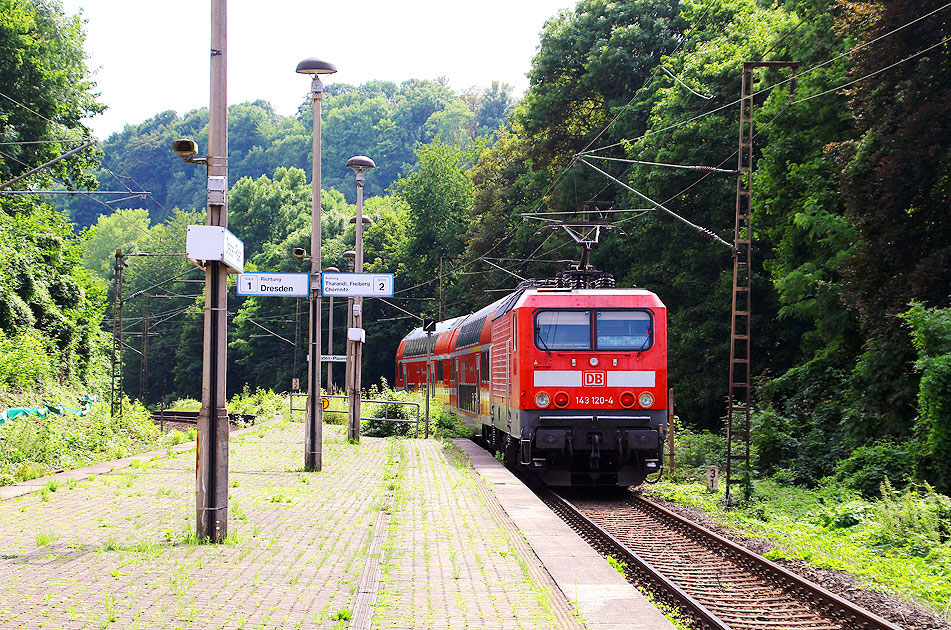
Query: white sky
{"type": "Point", "coordinates": [149, 57]}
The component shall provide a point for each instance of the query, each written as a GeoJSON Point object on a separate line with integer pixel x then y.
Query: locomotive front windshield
{"type": "Point", "coordinates": [563, 330]}
{"type": "Point", "coordinates": [622, 330]}
{"type": "Point", "coordinates": [613, 330]}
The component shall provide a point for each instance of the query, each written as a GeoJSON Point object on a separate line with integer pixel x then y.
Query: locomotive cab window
{"type": "Point", "coordinates": [563, 330]}
{"type": "Point", "coordinates": [623, 330]}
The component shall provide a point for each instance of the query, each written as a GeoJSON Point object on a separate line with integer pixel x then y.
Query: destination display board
{"type": "Point", "coordinates": [274, 284]}
{"type": "Point", "coordinates": [357, 284]}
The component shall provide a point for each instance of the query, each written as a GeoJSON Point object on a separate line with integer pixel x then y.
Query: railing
{"type": "Point", "coordinates": [386, 404]}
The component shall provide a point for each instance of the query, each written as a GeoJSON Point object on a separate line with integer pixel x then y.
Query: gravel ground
{"type": "Point", "coordinates": [895, 609]}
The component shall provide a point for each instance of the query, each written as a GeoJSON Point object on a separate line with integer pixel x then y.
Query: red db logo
{"type": "Point", "coordinates": [594, 379]}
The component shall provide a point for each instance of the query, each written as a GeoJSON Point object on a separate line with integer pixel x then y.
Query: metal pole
{"type": "Point", "coordinates": [441, 318]}
{"type": "Point", "coordinates": [144, 372]}
{"type": "Point", "coordinates": [330, 347]}
{"type": "Point", "coordinates": [354, 415]}
{"type": "Point", "coordinates": [115, 392]}
{"type": "Point", "coordinates": [296, 344]}
{"type": "Point", "coordinates": [429, 358]}
{"type": "Point", "coordinates": [670, 429]}
{"type": "Point", "coordinates": [211, 490]}
{"type": "Point", "coordinates": [50, 163]}
{"type": "Point", "coordinates": [313, 432]}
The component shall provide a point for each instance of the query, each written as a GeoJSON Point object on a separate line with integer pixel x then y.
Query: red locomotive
{"type": "Point", "coordinates": [569, 383]}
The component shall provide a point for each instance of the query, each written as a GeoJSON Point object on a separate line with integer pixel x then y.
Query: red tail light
{"type": "Point", "coordinates": [627, 399]}
{"type": "Point", "coordinates": [561, 399]}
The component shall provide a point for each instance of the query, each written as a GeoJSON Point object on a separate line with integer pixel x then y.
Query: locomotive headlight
{"type": "Point", "coordinates": [593, 361]}
{"type": "Point", "coordinates": [646, 399]}
{"type": "Point", "coordinates": [542, 399]}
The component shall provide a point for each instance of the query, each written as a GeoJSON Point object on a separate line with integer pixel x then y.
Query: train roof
{"type": "Point", "coordinates": [523, 295]}
{"type": "Point", "coordinates": [571, 297]}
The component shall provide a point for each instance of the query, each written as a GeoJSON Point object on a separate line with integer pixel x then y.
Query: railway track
{"type": "Point", "coordinates": [716, 583]}
{"type": "Point", "coordinates": [191, 417]}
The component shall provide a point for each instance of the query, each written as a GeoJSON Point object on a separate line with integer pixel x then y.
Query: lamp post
{"type": "Point", "coordinates": [313, 413]}
{"type": "Point", "coordinates": [360, 164]}
{"type": "Point", "coordinates": [350, 255]}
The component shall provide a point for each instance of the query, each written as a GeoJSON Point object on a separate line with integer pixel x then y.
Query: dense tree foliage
{"type": "Point", "coordinates": [45, 91]}
{"type": "Point", "coordinates": [852, 257]}
{"type": "Point", "coordinates": [846, 211]}
{"type": "Point", "coordinates": [50, 306]}
{"type": "Point", "coordinates": [380, 119]}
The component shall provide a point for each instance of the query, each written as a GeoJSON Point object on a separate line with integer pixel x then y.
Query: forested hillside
{"type": "Point", "coordinates": [852, 251]}
{"type": "Point", "coordinates": [51, 307]}
{"type": "Point", "coordinates": [379, 118]}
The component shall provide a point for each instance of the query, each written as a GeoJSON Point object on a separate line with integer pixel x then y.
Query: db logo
{"type": "Point", "coordinates": [594, 379]}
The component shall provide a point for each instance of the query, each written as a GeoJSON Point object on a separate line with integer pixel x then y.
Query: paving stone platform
{"type": "Point", "coordinates": [390, 534]}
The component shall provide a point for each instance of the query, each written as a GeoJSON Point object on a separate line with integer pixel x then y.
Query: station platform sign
{"type": "Point", "coordinates": [357, 284]}
{"type": "Point", "coordinates": [274, 284]}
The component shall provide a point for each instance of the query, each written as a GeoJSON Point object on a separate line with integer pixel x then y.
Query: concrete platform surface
{"type": "Point", "coordinates": [604, 599]}
{"type": "Point", "coordinates": [390, 534]}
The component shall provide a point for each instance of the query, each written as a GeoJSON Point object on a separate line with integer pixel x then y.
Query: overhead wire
{"type": "Point", "coordinates": [778, 84]}
{"type": "Point", "coordinates": [872, 74]}
{"type": "Point", "coordinates": [34, 112]}
{"type": "Point", "coordinates": [788, 105]}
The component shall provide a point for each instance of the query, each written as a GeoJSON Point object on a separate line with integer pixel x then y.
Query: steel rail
{"type": "Point", "coordinates": [844, 610]}
{"type": "Point", "coordinates": [644, 574]}
{"type": "Point", "coordinates": [191, 417]}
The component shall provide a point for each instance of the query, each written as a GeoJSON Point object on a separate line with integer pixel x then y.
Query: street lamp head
{"type": "Point", "coordinates": [313, 65]}
{"type": "Point", "coordinates": [350, 254]}
{"type": "Point", "coordinates": [331, 270]}
{"type": "Point", "coordinates": [366, 220]}
{"type": "Point", "coordinates": [360, 163]}
{"type": "Point", "coordinates": [187, 149]}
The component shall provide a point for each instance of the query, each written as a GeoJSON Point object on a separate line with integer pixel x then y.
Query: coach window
{"type": "Point", "coordinates": [439, 370]}
{"type": "Point", "coordinates": [484, 364]}
{"type": "Point", "coordinates": [563, 330]}
{"type": "Point", "coordinates": [622, 330]}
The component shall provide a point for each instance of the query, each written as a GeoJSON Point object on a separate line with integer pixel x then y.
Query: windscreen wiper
{"type": "Point", "coordinates": [538, 336]}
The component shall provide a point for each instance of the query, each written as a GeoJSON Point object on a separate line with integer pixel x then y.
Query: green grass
{"type": "Point", "coordinates": [899, 544]}
{"type": "Point", "coordinates": [45, 538]}
{"type": "Point", "coordinates": [34, 446]}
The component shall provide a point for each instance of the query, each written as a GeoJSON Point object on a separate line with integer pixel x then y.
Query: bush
{"type": "Point", "coordinates": [868, 467]}
{"type": "Point", "coordinates": [694, 451]}
{"type": "Point", "coordinates": [25, 361]}
{"type": "Point", "coordinates": [32, 443]}
{"type": "Point", "coordinates": [931, 336]}
{"type": "Point", "coordinates": [403, 412]}
{"type": "Point", "coordinates": [775, 445]}
{"type": "Point", "coordinates": [916, 521]}
{"type": "Point", "coordinates": [263, 403]}
{"type": "Point", "coordinates": [442, 423]}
